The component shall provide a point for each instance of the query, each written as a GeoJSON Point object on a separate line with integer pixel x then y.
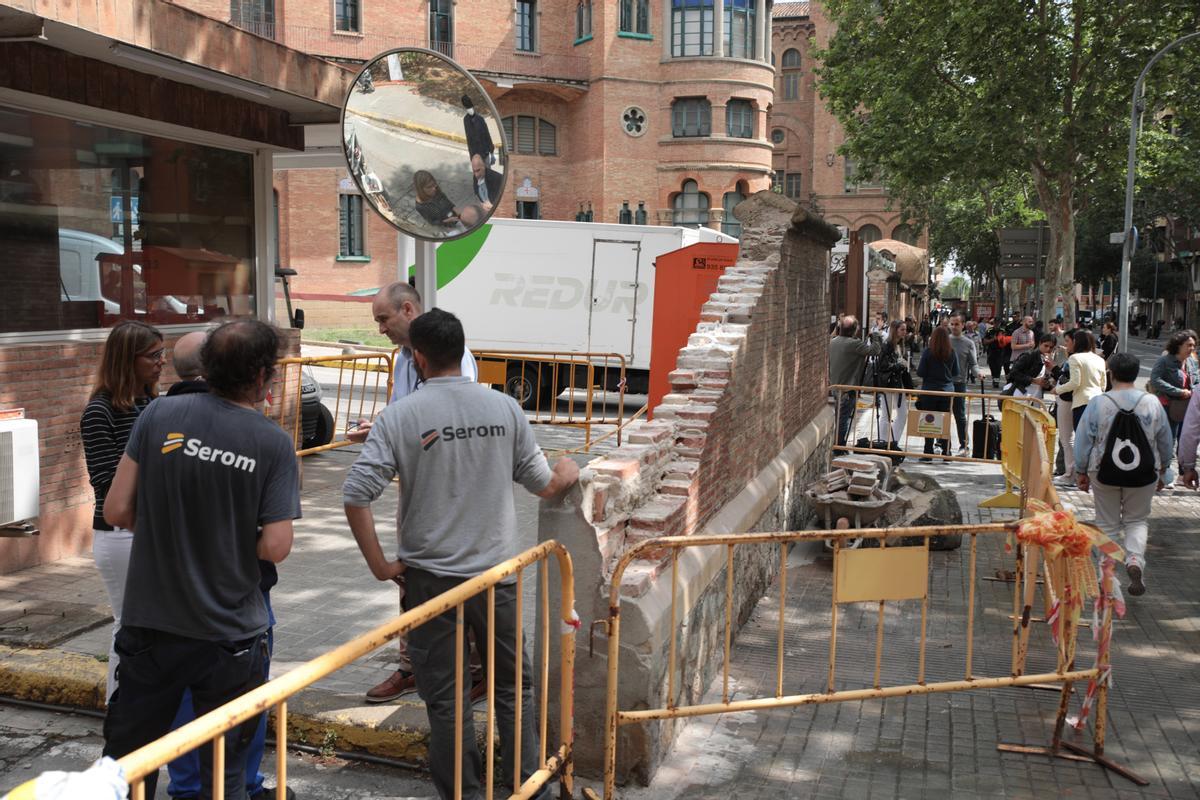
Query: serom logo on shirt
{"type": "Point", "coordinates": [196, 449]}
{"type": "Point", "coordinates": [450, 433]}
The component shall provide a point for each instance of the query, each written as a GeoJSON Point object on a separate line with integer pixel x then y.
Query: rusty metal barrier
{"type": "Point", "coordinates": [537, 378]}
{"type": "Point", "coordinates": [210, 729]}
{"type": "Point", "coordinates": [881, 575]}
{"type": "Point", "coordinates": [364, 384]}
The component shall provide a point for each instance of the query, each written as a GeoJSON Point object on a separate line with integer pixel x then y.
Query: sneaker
{"type": "Point", "coordinates": [1136, 587]}
{"type": "Point", "coordinates": [269, 793]}
{"type": "Point", "coordinates": [964, 451]}
{"type": "Point", "coordinates": [398, 684]}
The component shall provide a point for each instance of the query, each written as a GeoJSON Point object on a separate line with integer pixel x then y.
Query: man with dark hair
{"type": "Point", "coordinates": [1123, 506]}
{"type": "Point", "coordinates": [1030, 373]}
{"type": "Point", "coordinates": [453, 434]}
{"type": "Point", "coordinates": [847, 361]}
{"type": "Point", "coordinates": [964, 349]}
{"type": "Point", "coordinates": [394, 309]}
{"type": "Point", "coordinates": [185, 770]}
{"type": "Point", "coordinates": [210, 486]}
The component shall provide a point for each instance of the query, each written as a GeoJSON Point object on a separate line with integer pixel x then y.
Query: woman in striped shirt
{"type": "Point", "coordinates": [126, 382]}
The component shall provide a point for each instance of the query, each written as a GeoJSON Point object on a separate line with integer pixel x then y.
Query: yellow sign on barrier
{"type": "Point", "coordinates": [893, 573]}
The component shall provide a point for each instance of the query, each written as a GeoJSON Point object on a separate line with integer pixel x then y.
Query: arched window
{"type": "Point", "coordinates": [870, 233]}
{"type": "Point", "coordinates": [529, 135]}
{"type": "Point", "coordinates": [904, 233]}
{"type": "Point", "coordinates": [730, 225]}
{"type": "Point", "coordinates": [691, 206]}
{"type": "Point", "coordinates": [791, 74]}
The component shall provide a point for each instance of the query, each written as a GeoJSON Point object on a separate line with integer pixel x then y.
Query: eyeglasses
{"type": "Point", "coordinates": [155, 355]}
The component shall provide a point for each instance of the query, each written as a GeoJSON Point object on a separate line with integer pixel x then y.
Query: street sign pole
{"type": "Point", "coordinates": [1127, 251]}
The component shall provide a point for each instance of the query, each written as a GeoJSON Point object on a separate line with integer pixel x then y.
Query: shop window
{"type": "Point", "coordinates": [739, 28]}
{"type": "Point", "coordinates": [100, 224]}
{"type": "Point", "coordinates": [346, 16]}
{"type": "Point", "coordinates": [691, 28]}
{"type": "Point", "coordinates": [526, 26]}
{"type": "Point", "coordinates": [739, 119]}
{"type": "Point", "coordinates": [351, 241]}
{"type": "Point", "coordinates": [441, 26]}
{"type": "Point", "coordinates": [691, 116]}
{"type": "Point", "coordinates": [691, 206]}
{"type": "Point", "coordinates": [635, 17]}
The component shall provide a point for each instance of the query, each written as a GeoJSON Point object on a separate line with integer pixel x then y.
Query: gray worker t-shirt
{"type": "Point", "coordinates": [457, 446]}
{"type": "Point", "coordinates": [210, 473]}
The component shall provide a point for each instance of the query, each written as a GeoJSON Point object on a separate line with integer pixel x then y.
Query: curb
{"type": "Point", "coordinates": [316, 717]}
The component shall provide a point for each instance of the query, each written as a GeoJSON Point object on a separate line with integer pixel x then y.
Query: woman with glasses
{"type": "Point", "coordinates": [126, 382]}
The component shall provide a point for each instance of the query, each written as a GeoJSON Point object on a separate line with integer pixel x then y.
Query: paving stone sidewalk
{"type": "Point", "coordinates": [944, 745]}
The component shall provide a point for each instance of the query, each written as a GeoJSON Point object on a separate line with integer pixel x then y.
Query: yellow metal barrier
{"type": "Point", "coordinates": [886, 574]}
{"type": "Point", "coordinates": [210, 729]}
{"type": "Point", "coordinates": [364, 384]}
{"type": "Point", "coordinates": [1001, 401]}
{"type": "Point", "coordinates": [536, 379]}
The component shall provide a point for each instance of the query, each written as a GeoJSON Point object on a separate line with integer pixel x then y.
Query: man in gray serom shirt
{"type": "Point", "coordinates": [457, 447]}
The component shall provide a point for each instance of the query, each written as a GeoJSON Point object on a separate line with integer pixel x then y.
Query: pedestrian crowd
{"type": "Point", "coordinates": [1117, 437]}
{"type": "Point", "coordinates": [196, 493]}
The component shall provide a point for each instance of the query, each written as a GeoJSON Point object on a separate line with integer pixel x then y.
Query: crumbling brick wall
{"type": "Point", "coordinates": [751, 376]}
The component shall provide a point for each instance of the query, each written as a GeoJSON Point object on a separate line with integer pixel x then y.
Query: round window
{"type": "Point", "coordinates": [633, 121]}
{"type": "Point", "coordinates": [777, 136]}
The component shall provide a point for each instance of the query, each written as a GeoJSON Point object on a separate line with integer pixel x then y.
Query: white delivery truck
{"type": "Point", "coordinates": [545, 285]}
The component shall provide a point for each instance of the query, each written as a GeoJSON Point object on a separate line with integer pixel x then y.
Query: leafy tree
{"type": "Point", "coordinates": [977, 93]}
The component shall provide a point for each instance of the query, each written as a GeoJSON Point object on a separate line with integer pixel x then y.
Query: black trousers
{"type": "Point", "coordinates": [156, 667]}
{"type": "Point", "coordinates": [431, 648]}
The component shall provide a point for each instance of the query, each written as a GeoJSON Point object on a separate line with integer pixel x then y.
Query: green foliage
{"type": "Point", "coordinates": [937, 93]}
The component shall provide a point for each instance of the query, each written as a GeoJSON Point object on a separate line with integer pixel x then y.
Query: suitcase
{"type": "Point", "coordinates": [985, 433]}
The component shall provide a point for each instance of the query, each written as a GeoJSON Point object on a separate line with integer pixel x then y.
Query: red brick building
{"type": "Point", "coordinates": [658, 104]}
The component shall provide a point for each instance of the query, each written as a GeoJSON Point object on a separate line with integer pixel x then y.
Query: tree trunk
{"type": "Point", "coordinates": [1057, 201]}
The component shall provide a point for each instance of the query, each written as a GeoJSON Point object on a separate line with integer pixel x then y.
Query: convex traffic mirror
{"type": "Point", "coordinates": [423, 143]}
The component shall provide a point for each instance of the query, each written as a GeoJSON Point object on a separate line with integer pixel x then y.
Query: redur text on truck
{"type": "Point", "coordinates": [580, 287]}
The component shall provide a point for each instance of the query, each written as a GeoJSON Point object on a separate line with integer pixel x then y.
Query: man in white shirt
{"type": "Point", "coordinates": [394, 309]}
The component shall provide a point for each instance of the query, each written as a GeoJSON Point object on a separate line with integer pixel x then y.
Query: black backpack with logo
{"type": "Point", "coordinates": [1128, 458]}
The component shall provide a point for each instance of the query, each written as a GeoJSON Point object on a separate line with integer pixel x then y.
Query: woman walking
{"type": "Point", "coordinates": [891, 370]}
{"type": "Point", "coordinates": [126, 382]}
{"type": "Point", "coordinates": [939, 371]}
{"type": "Point", "coordinates": [1174, 378]}
{"type": "Point", "coordinates": [1088, 374]}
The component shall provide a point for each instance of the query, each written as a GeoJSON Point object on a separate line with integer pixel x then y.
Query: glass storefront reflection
{"type": "Point", "coordinates": [100, 224]}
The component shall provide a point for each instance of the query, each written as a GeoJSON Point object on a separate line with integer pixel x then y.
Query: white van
{"type": "Point", "coordinates": [79, 271]}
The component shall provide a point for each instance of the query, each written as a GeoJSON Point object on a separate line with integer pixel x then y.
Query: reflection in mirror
{"type": "Point", "coordinates": [423, 144]}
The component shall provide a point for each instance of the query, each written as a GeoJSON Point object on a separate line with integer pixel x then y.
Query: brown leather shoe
{"type": "Point", "coordinates": [398, 684]}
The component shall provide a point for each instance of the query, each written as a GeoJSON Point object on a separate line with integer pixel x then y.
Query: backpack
{"type": "Point", "coordinates": [1128, 458]}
